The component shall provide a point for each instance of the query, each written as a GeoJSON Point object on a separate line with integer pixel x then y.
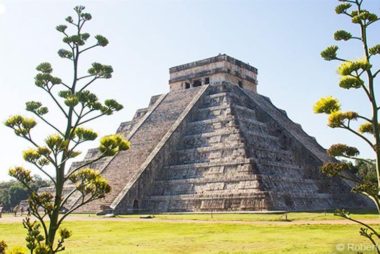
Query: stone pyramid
{"type": "Point", "coordinates": [213, 144]}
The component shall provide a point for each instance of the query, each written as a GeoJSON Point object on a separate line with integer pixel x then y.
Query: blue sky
{"type": "Point", "coordinates": [283, 39]}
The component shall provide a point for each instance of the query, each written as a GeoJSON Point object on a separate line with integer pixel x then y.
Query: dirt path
{"type": "Point", "coordinates": [12, 219]}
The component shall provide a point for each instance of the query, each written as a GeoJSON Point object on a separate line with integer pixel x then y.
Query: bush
{"type": "Point", "coordinates": [3, 246]}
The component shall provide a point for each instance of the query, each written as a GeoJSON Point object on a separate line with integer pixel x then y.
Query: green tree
{"type": "Point", "coordinates": [17, 192]}
{"type": "Point", "coordinates": [4, 194]}
{"type": "Point", "coordinates": [78, 106]}
{"type": "Point", "coordinates": [359, 74]}
{"type": "Point", "coordinates": [13, 192]}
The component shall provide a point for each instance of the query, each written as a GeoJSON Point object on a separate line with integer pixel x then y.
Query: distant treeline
{"type": "Point", "coordinates": [12, 192]}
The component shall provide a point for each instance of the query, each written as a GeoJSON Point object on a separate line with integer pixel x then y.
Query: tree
{"type": "Point", "coordinates": [13, 192]}
{"type": "Point", "coordinates": [357, 74]}
{"type": "Point", "coordinates": [78, 106]}
{"type": "Point", "coordinates": [17, 192]}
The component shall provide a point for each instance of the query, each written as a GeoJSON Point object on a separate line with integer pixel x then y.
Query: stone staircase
{"type": "Point", "coordinates": [211, 169]}
{"type": "Point", "coordinates": [122, 167]}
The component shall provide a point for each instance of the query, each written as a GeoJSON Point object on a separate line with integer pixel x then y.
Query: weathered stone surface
{"type": "Point", "coordinates": [121, 168]}
{"type": "Point", "coordinates": [217, 147]}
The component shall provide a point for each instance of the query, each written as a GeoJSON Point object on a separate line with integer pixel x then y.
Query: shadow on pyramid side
{"type": "Point", "coordinates": [213, 144]}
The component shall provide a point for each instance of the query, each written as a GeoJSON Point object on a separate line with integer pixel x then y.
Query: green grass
{"type": "Point", "coordinates": [293, 216]}
{"type": "Point", "coordinates": [152, 236]}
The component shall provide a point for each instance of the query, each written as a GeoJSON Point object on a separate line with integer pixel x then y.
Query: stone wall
{"type": "Point", "coordinates": [149, 128]}
{"type": "Point", "coordinates": [136, 191]}
{"type": "Point", "coordinates": [211, 70]}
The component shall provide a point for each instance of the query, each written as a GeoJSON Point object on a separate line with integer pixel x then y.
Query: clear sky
{"type": "Point", "coordinates": [283, 39]}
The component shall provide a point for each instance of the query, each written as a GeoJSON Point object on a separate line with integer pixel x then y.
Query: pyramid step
{"type": "Point", "coordinates": [213, 112]}
{"type": "Point", "coordinates": [247, 112]}
{"type": "Point", "coordinates": [301, 201]}
{"type": "Point", "coordinates": [252, 124]}
{"type": "Point", "coordinates": [211, 189]}
{"type": "Point", "coordinates": [274, 150]}
{"type": "Point", "coordinates": [261, 140]}
{"type": "Point", "coordinates": [210, 197]}
{"type": "Point", "coordinates": [217, 99]}
{"type": "Point", "coordinates": [211, 125]}
{"type": "Point", "coordinates": [203, 185]}
{"type": "Point", "coordinates": [211, 134]}
{"type": "Point", "coordinates": [234, 183]}
{"type": "Point", "coordinates": [217, 169]}
{"type": "Point", "coordinates": [279, 168]}
{"type": "Point", "coordinates": [220, 152]}
{"type": "Point", "coordinates": [272, 154]}
{"type": "Point", "coordinates": [203, 180]}
{"type": "Point", "coordinates": [290, 184]}
{"type": "Point", "coordinates": [126, 127]}
{"type": "Point", "coordinates": [257, 135]}
{"type": "Point", "coordinates": [217, 147]}
{"type": "Point", "coordinates": [192, 203]}
{"type": "Point", "coordinates": [219, 88]}
{"type": "Point", "coordinates": [220, 94]}
{"type": "Point", "coordinates": [227, 96]}
{"type": "Point", "coordinates": [216, 95]}
{"type": "Point", "coordinates": [277, 164]}
{"type": "Point", "coordinates": [200, 165]}
{"type": "Point", "coordinates": [297, 195]}
{"type": "Point", "coordinates": [211, 121]}
{"type": "Point", "coordinates": [236, 178]}
{"type": "Point", "coordinates": [202, 109]}
{"type": "Point", "coordinates": [212, 139]}
{"type": "Point", "coordinates": [92, 153]}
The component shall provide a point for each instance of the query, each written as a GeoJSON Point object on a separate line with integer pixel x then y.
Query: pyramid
{"type": "Point", "coordinates": [214, 144]}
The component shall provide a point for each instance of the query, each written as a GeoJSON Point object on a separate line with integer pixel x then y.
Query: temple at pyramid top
{"type": "Point", "coordinates": [214, 69]}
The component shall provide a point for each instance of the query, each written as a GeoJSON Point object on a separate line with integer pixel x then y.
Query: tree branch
{"type": "Point", "coordinates": [377, 72]}
{"type": "Point", "coordinates": [356, 38]}
{"type": "Point", "coordinates": [90, 119]}
{"type": "Point", "coordinates": [62, 83]}
{"type": "Point", "coordinates": [37, 146]}
{"type": "Point", "coordinates": [48, 123]}
{"type": "Point", "coordinates": [89, 83]}
{"type": "Point", "coordinates": [359, 135]}
{"type": "Point", "coordinates": [43, 171]}
{"type": "Point", "coordinates": [374, 199]}
{"type": "Point", "coordinates": [365, 118]}
{"type": "Point", "coordinates": [363, 224]}
{"type": "Point", "coordinates": [67, 197]}
{"type": "Point", "coordinates": [88, 112]}
{"type": "Point", "coordinates": [80, 27]}
{"type": "Point", "coordinates": [93, 46]}
{"type": "Point", "coordinates": [56, 102]}
{"type": "Point", "coordinates": [356, 158]}
{"type": "Point", "coordinates": [86, 76]}
{"type": "Point", "coordinates": [41, 220]}
{"type": "Point", "coordinates": [341, 59]}
{"type": "Point", "coordinates": [84, 165]}
{"type": "Point", "coordinates": [76, 207]}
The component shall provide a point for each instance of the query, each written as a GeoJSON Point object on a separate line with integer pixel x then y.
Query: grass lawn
{"type": "Point", "coordinates": [293, 216]}
{"type": "Point", "coordinates": [120, 236]}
